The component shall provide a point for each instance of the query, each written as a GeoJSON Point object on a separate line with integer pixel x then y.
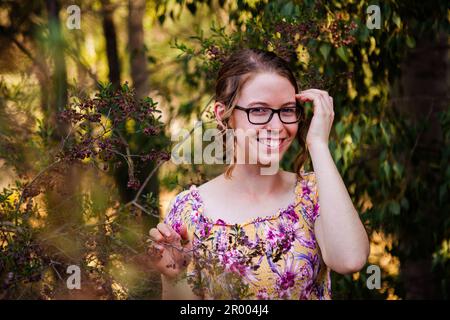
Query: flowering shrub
{"type": "Point", "coordinates": [95, 138]}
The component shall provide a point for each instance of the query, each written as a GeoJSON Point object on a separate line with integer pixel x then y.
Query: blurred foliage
{"type": "Point", "coordinates": [399, 183]}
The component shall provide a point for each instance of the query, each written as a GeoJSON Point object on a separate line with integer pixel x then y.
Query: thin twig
{"type": "Point", "coordinates": [150, 175]}
{"type": "Point", "coordinates": [143, 209]}
{"type": "Point", "coordinates": [32, 181]}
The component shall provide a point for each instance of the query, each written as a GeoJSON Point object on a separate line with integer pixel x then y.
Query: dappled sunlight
{"type": "Point", "coordinates": [380, 248]}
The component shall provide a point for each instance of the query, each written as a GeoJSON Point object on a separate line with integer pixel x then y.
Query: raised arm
{"type": "Point", "coordinates": [339, 231]}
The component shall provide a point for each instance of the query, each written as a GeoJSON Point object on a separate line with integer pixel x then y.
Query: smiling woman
{"type": "Point", "coordinates": [250, 235]}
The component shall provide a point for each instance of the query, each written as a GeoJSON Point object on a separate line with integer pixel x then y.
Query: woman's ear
{"type": "Point", "coordinates": [219, 110]}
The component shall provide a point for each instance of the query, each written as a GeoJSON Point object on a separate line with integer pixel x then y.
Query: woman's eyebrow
{"type": "Point", "coordinates": [266, 104]}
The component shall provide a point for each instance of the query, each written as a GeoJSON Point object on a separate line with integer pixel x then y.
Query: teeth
{"type": "Point", "coordinates": [272, 143]}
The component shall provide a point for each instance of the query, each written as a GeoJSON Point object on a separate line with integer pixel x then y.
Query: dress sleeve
{"type": "Point", "coordinates": [178, 212]}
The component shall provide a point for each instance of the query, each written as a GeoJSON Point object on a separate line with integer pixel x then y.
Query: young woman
{"type": "Point", "coordinates": [248, 235]}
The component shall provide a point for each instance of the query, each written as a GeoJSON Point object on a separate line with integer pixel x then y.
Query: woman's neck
{"type": "Point", "coordinates": [248, 180]}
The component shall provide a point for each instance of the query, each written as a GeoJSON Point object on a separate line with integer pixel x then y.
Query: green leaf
{"type": "Point", "coordinates": [338, 154]}
{"type": "Point", "coordinates": [325, 50]}
{"type": "Point", "coordinates": [410, 42]}
{"type": "Point", "coordinates": [385, 134]}
{"type": "Point", "coordinates": [357, 132]}
{"type": "Point", "coordinates": [387, 169]}
{"type": "Point", "coordinates": [339, 128]}
{"type": "Point", "coordinates": [364, 34]}
{"type": "Point", "coordinates": [342, 53]}
{"type": "Point", "coordinates": [398, 169]}
{"type": "Point", "coordinates": [396, 20]}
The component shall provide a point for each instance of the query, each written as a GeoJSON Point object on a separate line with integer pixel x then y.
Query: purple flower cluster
{"type": "Point", "coordinates": [108, 143]}
{"type": "Point", "coordinates": [340, 32]}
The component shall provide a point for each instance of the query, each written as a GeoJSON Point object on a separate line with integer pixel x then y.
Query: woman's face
{"type": "Point", "coordinates": [268, 142]}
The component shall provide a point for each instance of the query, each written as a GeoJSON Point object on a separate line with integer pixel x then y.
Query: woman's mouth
{"type": "Point", "coordinates": [271, 143]}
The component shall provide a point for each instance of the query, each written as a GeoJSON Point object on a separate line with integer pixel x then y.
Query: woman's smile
{"type": "Point", "coordinates": [272, 143]}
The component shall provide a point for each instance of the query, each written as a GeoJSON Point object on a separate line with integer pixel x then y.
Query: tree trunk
{"type": "Point", "coordinates": [140, 77]}
{"type": "Point", "coordinates": [59, 79]}
{"type": "Point", "coordinates": [139, 71]}
{"type": "Point", "coordinates": [63, 208]}
{"type": "Point", "coordinates": [109, 30]}
{"type": "Point", "coordinates": [138, 59]}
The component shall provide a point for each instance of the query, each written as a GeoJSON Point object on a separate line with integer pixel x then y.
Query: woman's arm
{"type": "Point", "coordinates": [341, 235]}
{"type": "Point", "coordinates": [339, 231]}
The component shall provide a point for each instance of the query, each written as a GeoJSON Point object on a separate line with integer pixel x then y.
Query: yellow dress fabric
{"type": "Point", "coordinates": [272, 257]}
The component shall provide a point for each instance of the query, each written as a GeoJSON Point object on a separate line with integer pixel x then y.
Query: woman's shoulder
{"type": "Point", "coordinates": [179, 209]}
{"type": "Point", "coordinates": [181, 198]}
{"type": "Point", "coordinates": [190, 198]}
{"type": "Point", "coordinates": [309, 176]}
{"type": "Point", "coordinates": [305, 177]}
{"type": "Point", "coordinates": [307, 183]}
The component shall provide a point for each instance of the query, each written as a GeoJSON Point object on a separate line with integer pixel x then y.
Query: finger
{"type": "Point", "coordinates": [302, 98]}
{"type": "Point", "coordinates": [317, 102]}
{"type": "Point", "coordinates": [308, 96]}
{"type": "Point", "coordinates": [326, 104]}
{"type": "Point", "coordinates": [155, 251]}
{"type": "Point", "coordinates": [320, 92]}
{"type": "Point", "coordinates": [156, 235]}
{"type": "Point", "coordinates": [324, 96]}
{"type": "Point", "coordinates": [331, 105]}
{"type": "Point", "coordinates": [184, 232]}
{"type": "Point", "coordinates": [169, 234]}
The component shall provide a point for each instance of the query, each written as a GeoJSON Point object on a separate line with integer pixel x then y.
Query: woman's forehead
{"type": "Point", "coordinates": [268, 87]}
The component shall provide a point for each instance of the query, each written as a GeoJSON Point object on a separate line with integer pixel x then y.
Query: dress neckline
{"type": "Point", "coordinates": [221, 222]}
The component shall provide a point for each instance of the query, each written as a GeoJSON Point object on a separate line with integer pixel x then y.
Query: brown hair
{"type": "Point", "coordinates": [236, 70]}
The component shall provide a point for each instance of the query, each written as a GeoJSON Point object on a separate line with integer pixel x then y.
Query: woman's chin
{"type": "Point", "coordinates": [267, 159]}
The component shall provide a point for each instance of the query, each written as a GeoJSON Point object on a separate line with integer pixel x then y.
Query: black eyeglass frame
{"type": "Point", "coordinates": [273, 111]}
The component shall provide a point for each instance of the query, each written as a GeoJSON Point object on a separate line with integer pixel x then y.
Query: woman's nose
{"type": "Point", "coordinates": [275, 122]}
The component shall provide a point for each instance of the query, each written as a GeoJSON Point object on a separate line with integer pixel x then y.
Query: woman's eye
{"type": "Point", "coordinates": [288, 110]}
{"type": "Point", "coordinates": [259, 110]}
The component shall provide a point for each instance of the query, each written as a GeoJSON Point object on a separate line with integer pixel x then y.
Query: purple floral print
{"type": "Point", "coordinates": [274, 257]}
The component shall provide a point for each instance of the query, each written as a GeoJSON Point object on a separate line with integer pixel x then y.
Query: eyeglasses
{"type": "Point", "coordinates": [263, 115]}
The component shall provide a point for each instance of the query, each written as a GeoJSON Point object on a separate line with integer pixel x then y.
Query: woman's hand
{"type": "Point", "coordinates": [171, 252]}
{"type": "Point", "coordinates": [322, 121]}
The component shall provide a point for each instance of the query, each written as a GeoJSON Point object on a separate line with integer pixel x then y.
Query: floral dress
{"type": "Point", "coordinates": [272, 257]}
